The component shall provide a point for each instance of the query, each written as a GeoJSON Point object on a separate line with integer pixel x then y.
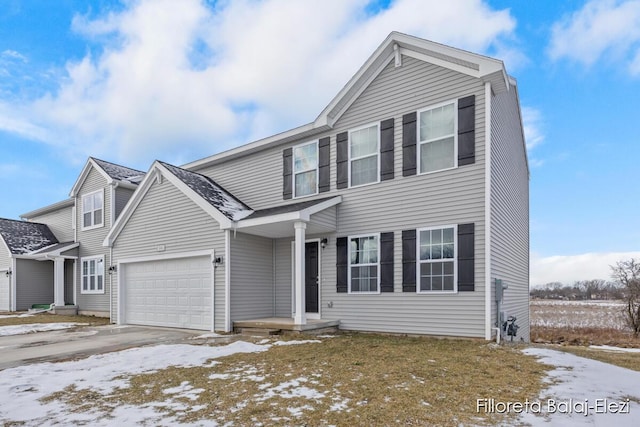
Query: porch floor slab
{"type": "Point", "coordinates": [285, 324]}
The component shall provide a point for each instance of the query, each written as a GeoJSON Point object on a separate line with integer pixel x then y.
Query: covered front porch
{"type": "Point", "coordinates": [283, 245]}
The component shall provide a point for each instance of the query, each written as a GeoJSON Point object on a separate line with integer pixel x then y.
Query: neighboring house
{"type": "Point", "coordinates": [394, 211]}
{"type": "Point", "coordinates": [76, 267]}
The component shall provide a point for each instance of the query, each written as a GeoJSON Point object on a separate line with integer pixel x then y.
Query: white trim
{"type": "Point", "coordinates": [104, 213]}
{"type": "Point", "coordinates": [487, 211]}
{"type": "Point", "coordinates": [75, 282]}
{"type": "Point", "coordinates": [13, 278]}
{"type": "Point", "coordinates": [352, 159]}
{"type": "Point", "coordinates": [455, 259]}
{"type": "Point", "coordinates": [112, 203]}
{"type": "Point", "coordinates": [213, 290]}
{"type": "Point", "coordinates": [419, 142]}
{"type": "Point", "coordinates": [309, 315]}
{"type": "Point", "coordinates": [293, 279]}
{"type": "Point", "coordinates": [227, 281]}
{"type": "Point", "coordinates": [104, 273]}
{"type": "Point", "coordinates": [356, 236]}
{"type": "Point", "coordinates": [293, 169]}
{"type": "Point", "coordinates": [122, 266]}
{"type": "Point", "coordinates": [85, 173]}
{"type": "Point", "coordinates": [55, 207]}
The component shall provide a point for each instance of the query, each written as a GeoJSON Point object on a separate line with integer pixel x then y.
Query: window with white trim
{"type": "Point", "coordinates": [437, 138]}
{"type": "Point", "coordinates": [305, 169]}
{"type": "Point", "coordinates": [437, 263]}
{"type": "Point", "coordinates": [364, 265]}
{"type": "Point", "coordinates": [92, 275]}
{"type": "Point", "coordinates": [364, 148]}
{"type": "Point", "coordinates": [93, 209]}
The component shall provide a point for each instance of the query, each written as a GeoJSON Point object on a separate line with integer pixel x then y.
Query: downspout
{"type": "Point", "coordinates": [273, 269]}
{"type": "Point", "coordinates": [487, 211]}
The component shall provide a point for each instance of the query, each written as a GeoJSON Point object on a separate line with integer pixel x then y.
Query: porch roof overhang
{"type": "Point", "coordinates": [277, 222]}
{"type": "Point", "coordinates": [54, 251]}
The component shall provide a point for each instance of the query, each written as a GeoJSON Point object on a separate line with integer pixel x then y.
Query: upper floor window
{"type": "Point", "coordinates": [305, 169]}
{"type": "Point", "coordinates": [93, 275]}
{"type": "Point", "coordinates": [436, 267]}
{"type": "Point", "coordinates": [364, 148]}
{"type": "Point", "coordinates": [93, 209]}
{"type": "Point", "coordinates": [364, 264]}
{"type": "Point", "coordinates": [437, 138]}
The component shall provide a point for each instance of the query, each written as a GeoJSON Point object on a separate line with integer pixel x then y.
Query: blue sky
{"type": "Point", "coordinates": [135, 81]}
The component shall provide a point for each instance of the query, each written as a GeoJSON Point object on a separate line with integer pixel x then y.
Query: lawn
{"type": "Point", "coordinates": [349, 379]}
{"type": "Point", "coordinates": [25, 319]}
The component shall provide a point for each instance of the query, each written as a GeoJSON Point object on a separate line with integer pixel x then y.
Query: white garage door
{"type": "Point", "coordinates": [4, 291]}
{"type": "Point", "coordinates": [173, 292]}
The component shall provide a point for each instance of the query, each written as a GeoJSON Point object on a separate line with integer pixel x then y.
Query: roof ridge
{"type": "Point", "coordinates": [116, 164]}
{"type": "Point", "coordinates": [23, 221]}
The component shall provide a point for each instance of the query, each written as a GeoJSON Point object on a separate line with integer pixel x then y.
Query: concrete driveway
{"type": "Point", "coordinates": [17, 350]}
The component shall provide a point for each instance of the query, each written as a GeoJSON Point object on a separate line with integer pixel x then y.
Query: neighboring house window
{"type": "Point", "coordinates": [93, 275]}
{"type": "Point", "coordinates": [92, 209]}
{"type": "Point", "coordinates": [437, 138]}
{"type": "Point", "coordinates": [363, 155]}
{"type": "Point", "coordinates": [436, 267]}
{"type": "Point", "coordinates": [305, 169]}
{"type": "Point", "coordinates": [364, 264]}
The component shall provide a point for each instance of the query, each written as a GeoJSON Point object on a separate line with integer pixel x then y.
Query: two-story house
{"type": "Point", "coordinates": [55, 255]}
{"type": "Point", "coordinates": [395, 210]}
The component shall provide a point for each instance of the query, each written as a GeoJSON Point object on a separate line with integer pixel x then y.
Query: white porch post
{"type": "Point", "coordinates": [300, 317]}
{"type": "Point", "coordinates": [58, 282]}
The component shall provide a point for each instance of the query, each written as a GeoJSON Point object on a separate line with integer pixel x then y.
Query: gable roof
{"type": "Point", "coordinates": [392, 48]}
{"type": "Point", "coordinates": [221, 205]}
{"type": "Point", "coordinates": [22, 237]}
{"type": "Point", "coordinates": [50, 208]}
{"type": "Point", "coordinates": [113, 173]}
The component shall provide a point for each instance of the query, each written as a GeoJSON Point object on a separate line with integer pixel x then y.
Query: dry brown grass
{"type": "Point", "coordinates": [357, 379]}
{"type": "Point", "coordinates": [52, 318]}
{"type": "Point", "coordinates": [583, 336]}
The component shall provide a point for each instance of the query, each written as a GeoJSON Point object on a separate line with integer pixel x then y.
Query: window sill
{"type": "Point", "coordinates": [439, 170]}
{"type": "Point", "coordinates": [92, 227]}
{"type": "Point", "coordinates": [92, 292]}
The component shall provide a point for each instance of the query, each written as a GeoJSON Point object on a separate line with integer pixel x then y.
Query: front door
{"type": "Point", "coordinates": [311, 286]}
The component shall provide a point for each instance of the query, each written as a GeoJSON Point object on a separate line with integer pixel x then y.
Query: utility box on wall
{"type": "Point", "coordinates": [500, 287]}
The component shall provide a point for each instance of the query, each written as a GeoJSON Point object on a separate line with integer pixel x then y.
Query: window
{"type": "Point", "coordinates": [363, 264]}
{"type": "Point", "coordinates": [93, 275]}
{"type": "Point", "coordinates": [437, 138]}
{"type": "Point", "coordinates": [363, 155]}
{"type": "Point", "coordinates": [92, 210]}
{"type": "Point", "coordinates": [437, 265]}
{"type": "Point", "coordinates": [305, 169]}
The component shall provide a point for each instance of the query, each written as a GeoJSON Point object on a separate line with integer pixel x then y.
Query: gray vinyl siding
{"type": "Point", "coordinates": [60, 223]}
{"type": "Point", "coordinates": [252, 287]}
{"type": "Point", "coordinates": [284, 271]}
{"type": "Point", "coordinates": [68, 281]}
{"type": "Point", "coordinates": [165, 216]}
{"type": "Point", "coordinates": [34, 283]}
{"type": "Point", "coordinates": [510, 208]}
{"type": "Point", "coordinates": [91, 243]}
{"type": "Point", "coordinates": [122, 196]}
{"type": "Point", "coordinates": [447, 197]}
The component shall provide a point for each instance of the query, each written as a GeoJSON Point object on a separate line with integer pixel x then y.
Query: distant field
{"type": "Point", "coordinates": [577, 314]}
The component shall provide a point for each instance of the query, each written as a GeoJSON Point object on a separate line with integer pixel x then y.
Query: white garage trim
{"type": "Point", "coordinates": [121, 268]}
{"type": "Point", "coordinates": [227, 281]}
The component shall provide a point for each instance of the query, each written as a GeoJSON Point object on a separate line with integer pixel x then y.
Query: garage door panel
{"type": "Point", "coordinates": [175, 293]}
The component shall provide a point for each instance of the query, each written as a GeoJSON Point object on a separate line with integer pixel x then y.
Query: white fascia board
{"type": "Point", "coordinates": [57, 252]}
{"type": "Point", "coordinates": [83, 176]}
{"type": "Point", "coordinates": [321, 206]}
{"type": "Point", "coordinates": [47, 209]}
{"type": "Point", "coordinates": [271, 219]}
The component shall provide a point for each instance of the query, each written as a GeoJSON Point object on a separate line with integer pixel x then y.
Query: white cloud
{"type": "Point", "coordinates": [607, 29]}
{"type": "Point", "coordinates": [533, 133]}
{"type": "Point", "coordinates": [13, 55]}
{"type": "Point", "coordinates": [186, 79]}
{"type": "Point", "coordinates": [570, 268]}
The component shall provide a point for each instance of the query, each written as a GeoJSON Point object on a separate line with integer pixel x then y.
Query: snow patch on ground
{"type": "Point", "coordinates": [289, 389]}
{"type": "Point", "coordinates": [294, 342]}
{"type": "Point", "coordinates": [36, 327]}
{"type": "Point", "coordinates": [205, 336]}
{"type": "Point", "coordinates": [576, 383]}
{"type": "Point", "coordinates": [22, 387]}
{"type": "Point", "coordinates": [6, 316]}
{"type": "Point", "coordinates": [611, 348]}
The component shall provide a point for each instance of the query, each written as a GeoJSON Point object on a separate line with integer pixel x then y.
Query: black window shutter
{"type": "Point", "coordinates": [408, 260]}
{"type": "Point", "coordinates": [386, 262]}
{"type": "Point", "coordinates": [409, 144]}
{"type": "Point", "coordinates": [467, 130]}
{"type": "Point", "coordinates": [287, 171]}
{"type": "Point", "coordinates": [341, 264]}
{"type": "Point", "coordinates": [466, 255]}
{"type": "Point", "coordinates": [386, 150]}
{"type": "Point", "coordinates": [342, 159]}
{"type": "Point", "coordinates": [324, 167]}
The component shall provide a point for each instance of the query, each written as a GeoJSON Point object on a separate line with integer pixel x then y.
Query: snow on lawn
{"type": "Point", "coordinates": [5, 316]}
{"type": "Point", "coordinates": [585, 392]}
{"type": "Point", "coordinates": [583, 314]}
{"type": "Point", "coordinates": [611, 348]}
{"type": "Point", "coordinates": [22, 388]}
{"type": "Point", "coordinates": [36, 327]}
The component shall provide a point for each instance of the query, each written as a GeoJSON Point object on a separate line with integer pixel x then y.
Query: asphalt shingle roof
{"type": "Point", "coordinates": [23, 237]}
{"type": "Point", "coordinates": [229, 205]}
{"type": "Point", "coordinates": [292, 207]}
{"type": "Point", "coordinates": [120, 173]}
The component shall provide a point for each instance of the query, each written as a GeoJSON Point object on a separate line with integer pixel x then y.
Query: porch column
{"type": "Point", "coordinates": [58, 282]}
{"type": "Point", "coordinates": [300, 317]}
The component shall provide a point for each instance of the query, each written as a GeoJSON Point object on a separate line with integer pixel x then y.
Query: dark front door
{"type": "Point", "coordinates": [311, 277]}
